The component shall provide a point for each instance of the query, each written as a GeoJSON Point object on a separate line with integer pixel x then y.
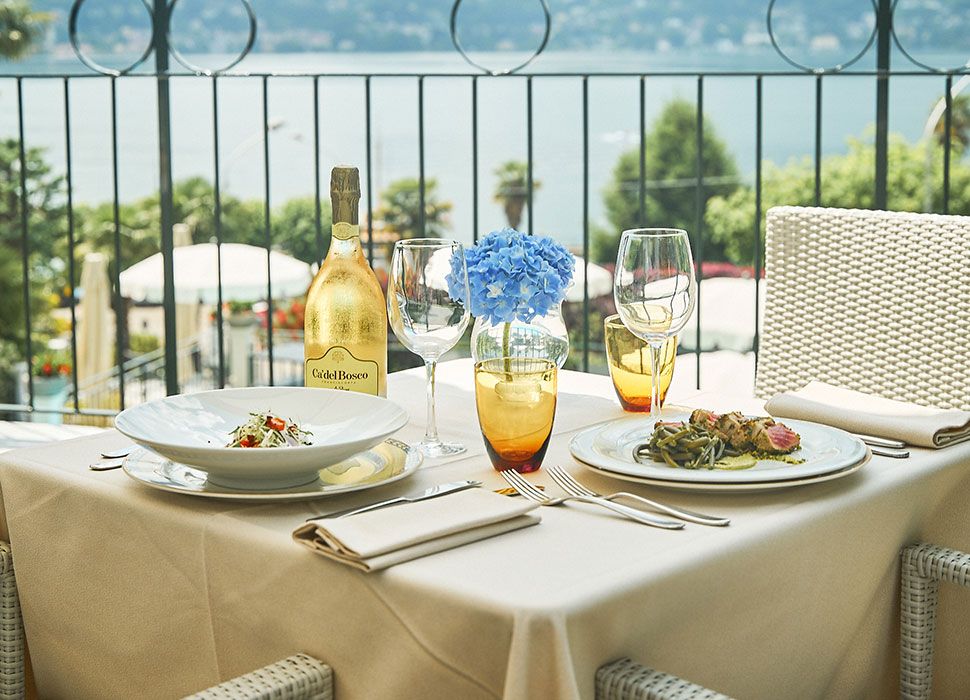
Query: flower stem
{"type": "Point", "coordinates": [506, 347]}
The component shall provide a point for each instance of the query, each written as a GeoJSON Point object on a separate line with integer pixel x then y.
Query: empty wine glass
{"type": "Point", "coordinates": [424, 315]}
{"type": "Point", "coordinates": [655, 290]}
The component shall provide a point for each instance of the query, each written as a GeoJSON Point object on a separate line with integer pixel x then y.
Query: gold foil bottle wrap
{"type": "Point", "coordinates": [345, 194]}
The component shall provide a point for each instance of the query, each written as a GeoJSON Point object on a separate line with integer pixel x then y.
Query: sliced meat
{"type": "Point", "coordinates": [774, 438]}
{"type": "Point", "coordinates": [705, 419]}
{"type": "Point", "coordinates": [732, 428]}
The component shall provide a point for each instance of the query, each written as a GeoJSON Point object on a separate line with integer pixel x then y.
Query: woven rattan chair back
{"type": "Point", "coordinates": [874, 301]}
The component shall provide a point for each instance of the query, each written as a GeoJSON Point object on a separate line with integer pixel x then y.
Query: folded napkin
{"type": "Point", "coordinates": [381, 538]}
{"type": "Point", "coordinates": [872, 415]}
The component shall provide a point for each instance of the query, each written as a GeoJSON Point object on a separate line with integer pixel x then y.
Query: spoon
{"type": "Point", "coordinates": [106, 464]}
{"type": "Point", "coordinates": [117, 454]}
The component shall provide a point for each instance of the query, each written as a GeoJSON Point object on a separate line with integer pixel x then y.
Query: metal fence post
{"type": "Point", "coordinates": [166, 205]}
{"type": "Point", "coordinates": [884, 23]}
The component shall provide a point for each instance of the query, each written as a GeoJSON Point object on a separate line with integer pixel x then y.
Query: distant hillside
{"type": "Point", "coordinates": [422, 25]}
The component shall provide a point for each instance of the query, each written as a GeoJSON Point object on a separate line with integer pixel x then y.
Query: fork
{"type": "Point", "coordinates": [527, 490]}
{"type": "Point", "coordinates": [574, 488]}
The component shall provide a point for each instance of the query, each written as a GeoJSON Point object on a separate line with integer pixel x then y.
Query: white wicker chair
{"type": "Point", "coordinates": [12, 684]}
{"type": "Point", "coordinates": [923, 567]}
{"type": "Point", "coordinates": [624, 679]}
{"type": "Point", "coordinates": [298, 677]}
{"type": "Point", "coordinates": [875, 301]}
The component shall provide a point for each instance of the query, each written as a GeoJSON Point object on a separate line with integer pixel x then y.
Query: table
{"type": "Point", "coordinates": [14, 434]}
{"type": "Point", "coordinates": [129, 592]}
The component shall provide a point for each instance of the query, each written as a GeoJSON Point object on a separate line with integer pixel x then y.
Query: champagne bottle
{"type": "Point", "coordinates": [345, 331]}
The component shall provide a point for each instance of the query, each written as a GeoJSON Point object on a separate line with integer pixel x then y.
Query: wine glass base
{"type": "Point", "coordinates": [438, 448]}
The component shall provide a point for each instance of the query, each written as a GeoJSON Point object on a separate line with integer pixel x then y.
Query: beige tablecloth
{"type": "Point", "coordinates": [129, 592]}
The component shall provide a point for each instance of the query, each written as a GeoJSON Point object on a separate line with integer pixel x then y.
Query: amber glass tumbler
{"type": "Point", "coordinates": [629, 361]}
{"type": "Point", "coordinates": [516, 400]}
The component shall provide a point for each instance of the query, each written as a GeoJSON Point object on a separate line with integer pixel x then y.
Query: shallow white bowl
{"type": "Point", "coordinates": [193, 429]}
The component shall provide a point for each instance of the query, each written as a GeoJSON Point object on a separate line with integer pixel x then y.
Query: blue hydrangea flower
{"type": "Point", "coordinates": [513, 276]}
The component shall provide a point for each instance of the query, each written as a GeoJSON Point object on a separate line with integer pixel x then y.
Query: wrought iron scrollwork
{"type": "Point", "coordinates": [819, 70]}
{"type": "Point", "coordinates": [173, 51]}
{"type": "Point", "coordinates": [912, 59]}
{"type": "Point", "coordinates": [90, 62]}
{"type": "Point", "coordinates": [251, 39]}
{"type": "Point", "coordinates": [456, 41]}
{"type": "Point", "coordinates": [547, 17]}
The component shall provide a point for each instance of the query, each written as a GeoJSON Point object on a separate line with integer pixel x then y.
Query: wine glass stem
{"type": "Point", "coordinates": [431, 431]}
{"type": "Point", "coordinates": [655, 349]}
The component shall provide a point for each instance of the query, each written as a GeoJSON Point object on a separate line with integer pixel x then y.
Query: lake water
{"type": "Point", "coordinates": [849, 108]}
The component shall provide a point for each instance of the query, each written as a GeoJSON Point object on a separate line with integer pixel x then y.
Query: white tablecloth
{"type": "Point", "coordinates": [129, 592]}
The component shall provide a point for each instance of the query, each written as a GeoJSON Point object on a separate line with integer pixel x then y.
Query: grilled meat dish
{"type": "Point", "coordinates": [748, 434]}
{"type": "Point", "coordinates": [705, 419]}
{"type": "Point", "coordinates": [773, 438]}
{"type": "Point", "coordinates": [733, 429]}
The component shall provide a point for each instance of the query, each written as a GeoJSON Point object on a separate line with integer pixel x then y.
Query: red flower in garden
{"type": "Point", "coordinates": [52, 365]}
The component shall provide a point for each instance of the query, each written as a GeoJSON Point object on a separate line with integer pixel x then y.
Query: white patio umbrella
{"type": "Point", "coordinates": [95, 341]}
{"type": "Point", "coordinates": [600, 281]}
{"type": "Point", "coordinates": [186, 312]}
{"type": "Point", "coordinates": [196, 275]}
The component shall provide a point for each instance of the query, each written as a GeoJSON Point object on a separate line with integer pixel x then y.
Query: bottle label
{"type": "Point", "coordinates": [337, 368]}
{"type": "Point", "coordinates": [343, 231]}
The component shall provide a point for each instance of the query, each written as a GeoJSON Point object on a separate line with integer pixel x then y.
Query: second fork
{"type": "Point", "coordinates": [573, 487]}
{"type": "Point", "coordinates": [527, 490]}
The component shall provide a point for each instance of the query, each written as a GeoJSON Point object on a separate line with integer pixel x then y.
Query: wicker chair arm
{"type": "Point", "coordinates": [624, 679]}
{"type": "Point", "coordinates": [298, 677]}
{"type": "Point", "coordinates": [12, 673]}
{"type": "Point", "coordinates": [938, 563]}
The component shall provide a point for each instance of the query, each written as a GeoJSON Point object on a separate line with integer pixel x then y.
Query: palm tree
{"type": "Point", "coordinates": [20, 28]}
{"type": "Point", "coordinates": [959, 125]}
{"type": "Point", "coordinates": [400, 208]}
{"type": "Point", "coordinates": [512, 190]}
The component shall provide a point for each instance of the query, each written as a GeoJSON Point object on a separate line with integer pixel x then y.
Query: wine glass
{"type": "Point", "coordinates": [654, 290]}
{"type": "Point", "coordinates": [424, 315]}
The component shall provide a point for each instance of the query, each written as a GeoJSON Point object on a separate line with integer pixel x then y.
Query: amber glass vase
{"type": "Point", "coordinates": [516, 400]}
{"type": "Point", "coordinates": [629, 361]}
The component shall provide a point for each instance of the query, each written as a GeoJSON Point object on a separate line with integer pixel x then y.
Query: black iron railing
{"type": "Point", "coordinates": [163, 48]}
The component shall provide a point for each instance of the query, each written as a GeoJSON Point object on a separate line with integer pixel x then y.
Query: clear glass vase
{"type": "Point", "coordinates": [542, 338]}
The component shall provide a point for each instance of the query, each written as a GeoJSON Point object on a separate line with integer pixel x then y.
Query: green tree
{"type": "Point", "coordinates": [959, 125]}
{"type": "Point", "coordinates": [295, 228]}
{"type": "Point", "coordinates": [193, 203]}
{"type": "Point", "coordinates": [512, 190]}
{"type": "Point", "coordinates": [847, 181]}
{"type": "Point", "coordinates": [400, 208]}
{"type": "Point", "coordinates": [671, 179]}
{"type": "Point", "coordinates": [293, 223]}
{"type": "Point", "coordinates": [20, 28]}
{"type": "Point", "coordinates": [45, 227]}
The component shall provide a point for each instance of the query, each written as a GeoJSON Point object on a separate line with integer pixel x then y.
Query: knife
{"type": "Point", "coordinates": [880, 441]}
{"type": "Point", "coordinates": [433, 492]}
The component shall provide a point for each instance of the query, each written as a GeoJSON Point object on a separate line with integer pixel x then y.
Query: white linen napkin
{"type": "Point", "coordinates": [381, 538]}
{"type": "Point", "coordinates": [873, 415]}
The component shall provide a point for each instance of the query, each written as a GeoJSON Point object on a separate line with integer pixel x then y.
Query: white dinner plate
{"type": "Point", "coordinates": [194, 429]}
{"type": "Point", "coordinates": [386, 463]}
{"type": "Point", "coordinates": [737, 488]}
{"type": "Point", "coordinates": [609, 447]}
